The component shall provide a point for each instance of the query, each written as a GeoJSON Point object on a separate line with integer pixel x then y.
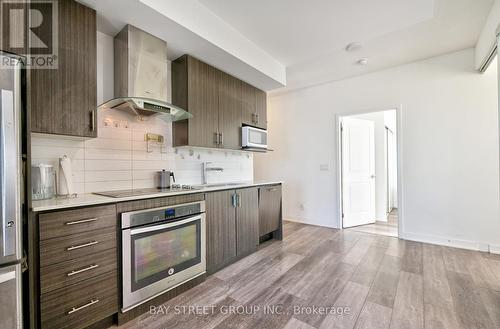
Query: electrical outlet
{"type": "Point", "coordinates": [107, 122]}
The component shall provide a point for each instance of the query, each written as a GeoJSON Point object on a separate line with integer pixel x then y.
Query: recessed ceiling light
{"type": "Point", "coordinates": [363, 61]}
{"type": "Point", "coordinates": [353, 46]}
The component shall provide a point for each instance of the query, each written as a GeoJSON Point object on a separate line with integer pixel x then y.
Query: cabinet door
{"type": "Point", "coordinates": [230, 111]}
{"type": "Point", "coordinates": [269, 209]}
{"type": "Point", "coordinates": [64, 100]}
{"type": "Point", "coordinates": [260, 109]}
{"type": "Point", "coordinates": [247, 221]}
{"type": "Point", "coordinates": [13, 32]}
{"type": "Point", "coordinates": [221, 228]}
{"type": "Point", "coordinates": [203, 103]}
{"type": "Point", "coordinates": [248, 104]}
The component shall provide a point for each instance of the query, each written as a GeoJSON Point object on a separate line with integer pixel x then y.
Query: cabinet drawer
{"type": "Point", "coordinates": [76, 270]}
{"type": "Point", "coordinates": [82, 304]}
{"type": "Point", "coordinates": [63, 223]}
{"type": "Point", "coordinates": [74, 246]}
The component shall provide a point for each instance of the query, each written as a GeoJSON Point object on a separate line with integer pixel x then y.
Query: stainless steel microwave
{"type": "Point", "coordinates": [253, 138]}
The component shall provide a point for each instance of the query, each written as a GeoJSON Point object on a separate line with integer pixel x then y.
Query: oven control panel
{"type": "Point", "coordinates": [148, 216]}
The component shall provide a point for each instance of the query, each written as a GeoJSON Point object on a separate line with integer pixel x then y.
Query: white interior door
{"type": "Point", "coordinates": [358, 172]}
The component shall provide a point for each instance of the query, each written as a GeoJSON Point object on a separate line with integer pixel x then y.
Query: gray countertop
{"type": "Point", "coordinates": [93, 199]}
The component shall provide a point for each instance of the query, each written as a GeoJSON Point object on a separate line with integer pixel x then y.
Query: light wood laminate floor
{"type": "Point", "coordinates": [389, 228]}
{"type": "Point", "coordinates": [375, 281]}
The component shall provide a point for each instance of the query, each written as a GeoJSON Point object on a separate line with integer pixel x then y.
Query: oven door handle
{"type": "Point", "coordinates": [153, 228]}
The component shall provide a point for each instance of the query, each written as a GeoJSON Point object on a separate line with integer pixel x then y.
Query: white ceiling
{"type": "Point", "coordinates": [309, 36]}
{"type": "Point", "coordinates": [190, 28]}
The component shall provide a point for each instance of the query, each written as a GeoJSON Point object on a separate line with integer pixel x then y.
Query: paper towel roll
{"type": "Point", "coordinates": [65, 176]}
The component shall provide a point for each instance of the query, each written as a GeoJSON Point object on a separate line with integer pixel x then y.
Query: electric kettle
{"type": "Point", "coordinates": [43, 181]}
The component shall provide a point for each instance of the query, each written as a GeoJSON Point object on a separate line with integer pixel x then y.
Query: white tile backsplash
{"type": "Point", "coordinates": [118, 158]}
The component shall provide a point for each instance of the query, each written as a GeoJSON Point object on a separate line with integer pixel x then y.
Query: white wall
{"type": "Point", "coordinates": [449, 147]}
{"type": "Point", "coordinates": [118, 158]}
{"type": "Point", "coordinates": [380, 157]}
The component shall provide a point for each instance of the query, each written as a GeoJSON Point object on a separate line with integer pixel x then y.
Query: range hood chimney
{"type": "Point", "coordinates": [141, 77]}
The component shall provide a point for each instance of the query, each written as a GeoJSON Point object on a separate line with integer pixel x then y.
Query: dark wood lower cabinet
{"type": "Point", "coordinates": [269, 209]}
{"type": "Point", "coordinates": [76, 267]}
{"type": "Point", "coordinates": [232, 226]}
{"type": "Point", "coordinates": [82, 304]}
{"type": "Point", "coordinates": [221, 227]}
{"type": "Point", "coordinates": [247, 221]}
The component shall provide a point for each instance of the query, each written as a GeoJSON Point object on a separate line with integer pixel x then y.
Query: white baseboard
{"type": "Point", "coordinates": [308, 222]}
{"type": "Point", "coordinates": [495, 249]}
{"type": "Point", "coordinates": [448, 242]}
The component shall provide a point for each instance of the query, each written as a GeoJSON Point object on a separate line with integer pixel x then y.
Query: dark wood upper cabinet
{"type": "Point", "coordinates": [219, 102]}
{"type": "Point", "coordinates": [247, 221]}
{"type": "Point", "coordinates": [260, 109]}
{"type": "Point", "coordinates": [195, 88]}
{"type": "Point", "coordinates": [254, 106]}
{"type": "Point", "coordinates": [64, 100]}
{"type": "Point", "coordinates": [229, 111]}
{"type": "Point", "coordinates": [248, 104]}
{"type": "Point", "coordinates": [221, 227]}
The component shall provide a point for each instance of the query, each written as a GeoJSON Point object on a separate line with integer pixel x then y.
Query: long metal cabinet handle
{"type": "Point", "coordinates": [257, 118]}
{"type": "Point", "coordinates": [221, 136]}
{"type": "Point", "coordinates": [91, 243]}
{"type": "Point", "coordinates": [92, 118]}
{"type": "Point", "coordinates": [76, 309]}
{"type": "Point", "coordinates": [82, 221]}
{"type": "Point", "coordinates": [91, 267]}
{"type": "Point", "coordinates": [272, 189]}
{"type": "Point", "coordinates": [216, 138]}
{"type": "Point", "coordinates": [238, 200]}
{"type": "Point", "coordinates": [233, 200]}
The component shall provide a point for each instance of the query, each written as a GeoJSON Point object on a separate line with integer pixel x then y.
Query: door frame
{"type": "Point", "coordinates": [400, 176]}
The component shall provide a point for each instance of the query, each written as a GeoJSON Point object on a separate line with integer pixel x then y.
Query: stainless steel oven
{"type": "Point", "coordinates": [161, 249]}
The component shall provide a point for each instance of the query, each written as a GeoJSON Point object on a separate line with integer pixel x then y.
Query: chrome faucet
{"type": "Point", "coordinates": [205, 168]}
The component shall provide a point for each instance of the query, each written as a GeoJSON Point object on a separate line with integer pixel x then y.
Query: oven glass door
{"type": "Point", "coordinates": [160, 251]}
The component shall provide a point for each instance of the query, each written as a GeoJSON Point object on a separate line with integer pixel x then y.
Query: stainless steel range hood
{"type": "Point", "coordinates": [141, 77]}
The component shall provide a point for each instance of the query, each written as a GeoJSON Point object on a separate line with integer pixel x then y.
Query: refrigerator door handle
{"type": "Point", "coordinates": [9, 174]}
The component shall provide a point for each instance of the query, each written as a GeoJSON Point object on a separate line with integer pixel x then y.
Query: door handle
{"type": "Point", "coordinates": [238, 200]}
{"type": "Point", "coordinates": [216, 138]}
{"type": "Point", "coordinates": [221, 140]}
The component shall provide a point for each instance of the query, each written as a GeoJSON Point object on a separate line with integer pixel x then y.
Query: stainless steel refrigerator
{"type": "Point", "coordinates": [12, 190]}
